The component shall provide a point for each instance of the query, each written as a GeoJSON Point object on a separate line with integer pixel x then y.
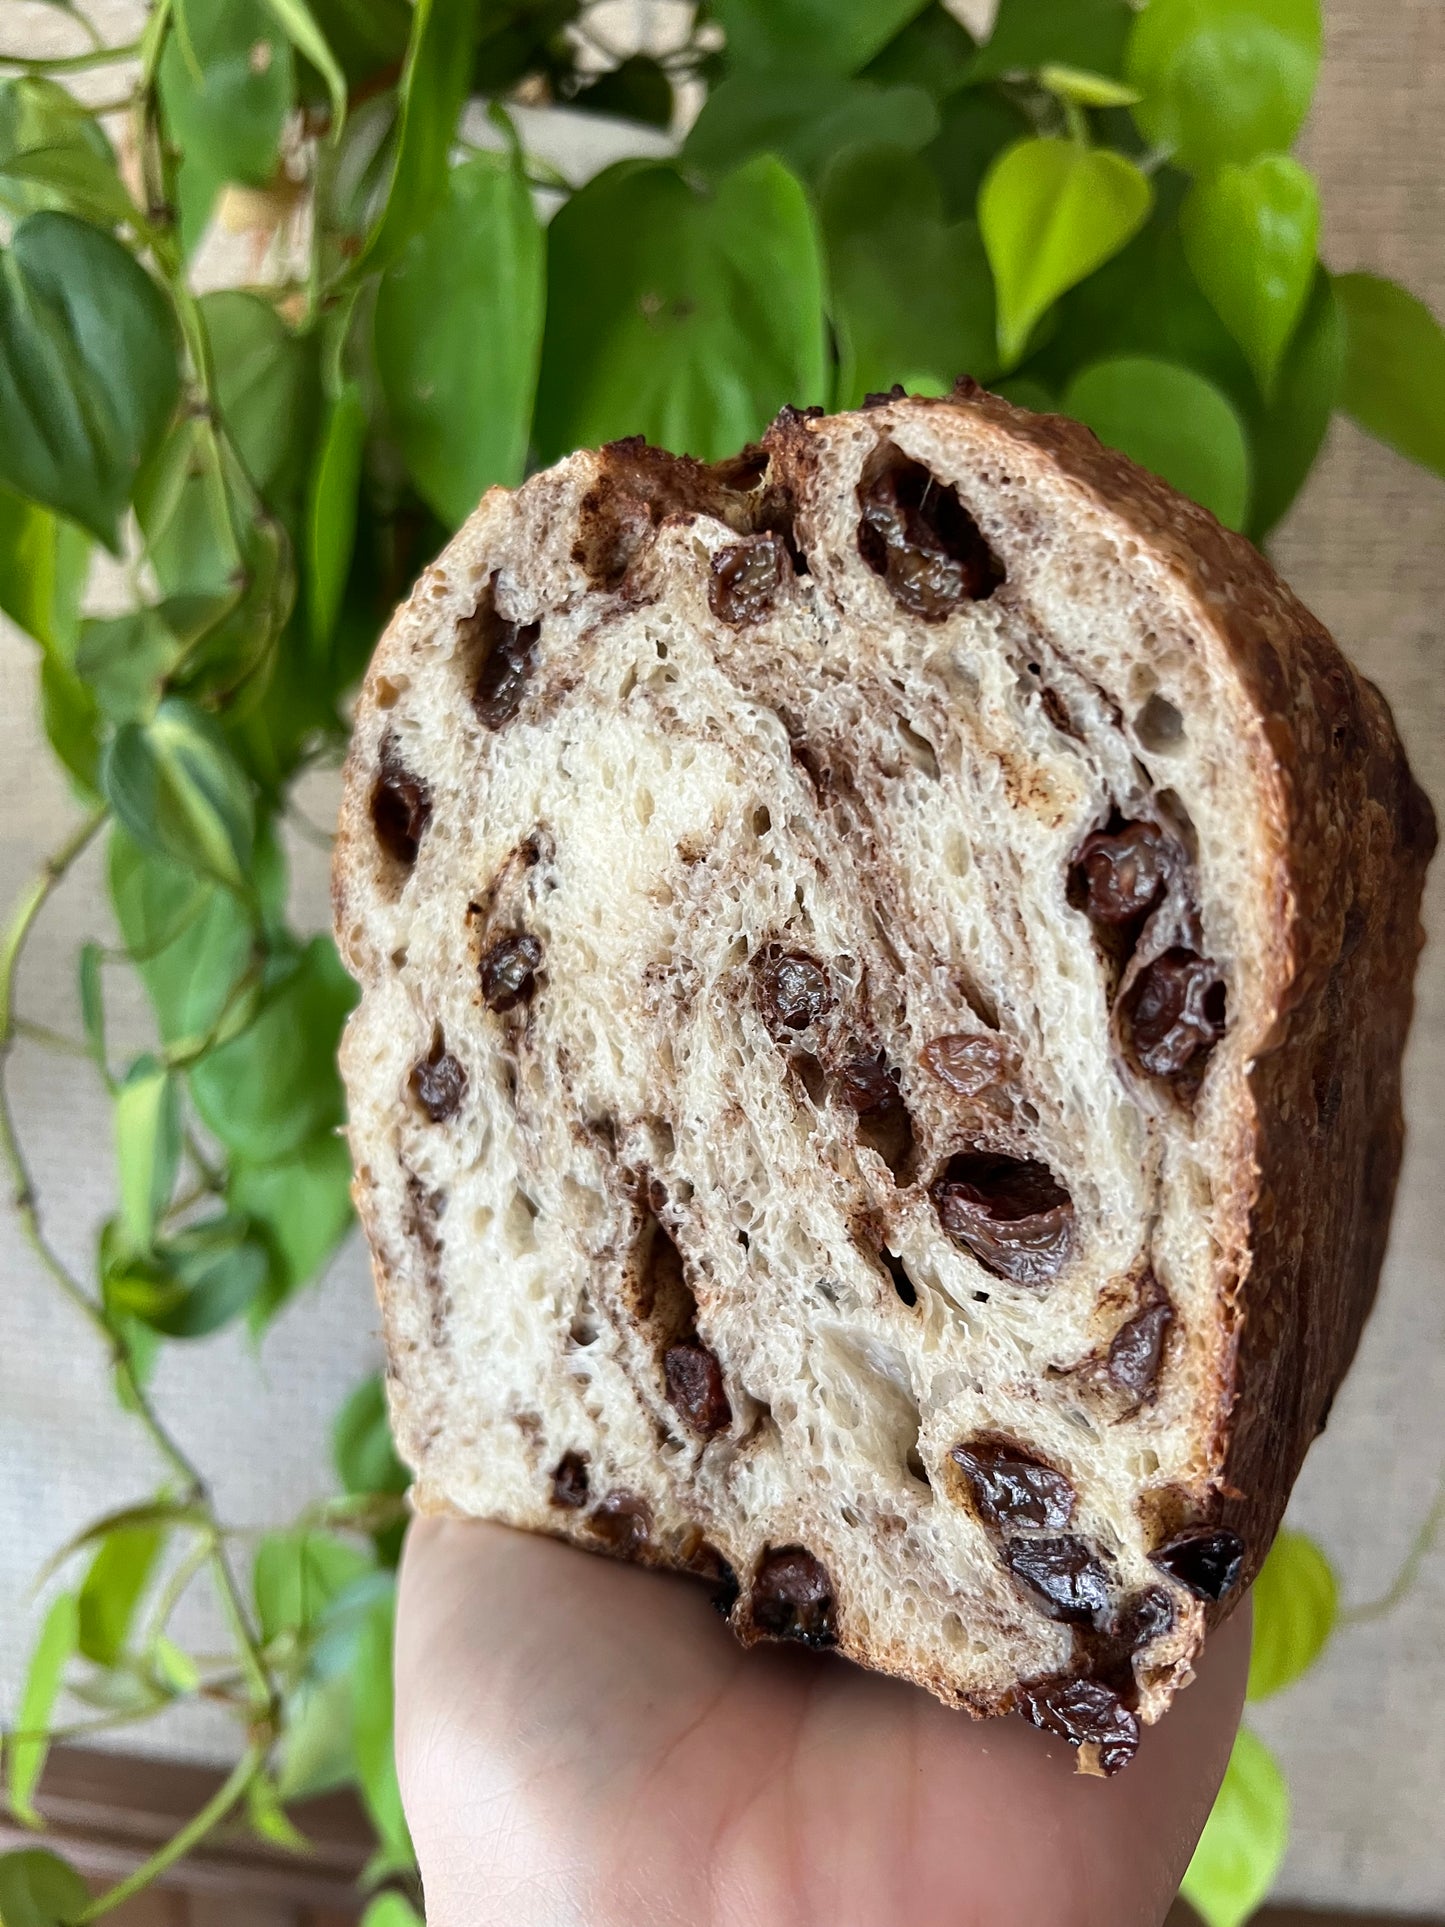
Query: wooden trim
{"type": "Point", "coordinates": [109, 1811]}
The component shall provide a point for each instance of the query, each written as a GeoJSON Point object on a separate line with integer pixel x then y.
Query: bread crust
{"type": "Point", "coordinates": [1312, 1122]}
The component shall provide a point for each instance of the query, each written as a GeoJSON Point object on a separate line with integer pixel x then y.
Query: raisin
{"type": "Point", "coordinates": [623, 1522]}
{"type": "Point", "coordinates": [1011, 1213]}
{"type": "Point", "coordinates": [792, 1598]}
{"type": "Point", "coordinates": [438, 1082]}
{"type": "Point", "coordinates": [569, 1480]}
{"type": "Point", "coordinates": [503, 653]}
{"type": "Point", "coordinates": [969, 1061]}
{"type": "Point", "coordinates": [695, 1386]}
{"type": "Point", "coordinates": [1010, 1487]}
{"type": "Point", "coordinates": [1084, 1712]}
{"type": "Point", "coordinates": [400, 806]}
{"type": "Point", "coordinates": [744, 579]}
{"type": "Point", "coordinates": [1206, 1559]}
{"type": "Point", "coordinates": [509, 970]}
{"type": "Point", "coordinates": [919, 537]}
{"type": "Point", "coordinates": [1119, 874]}
{"type": "Point", "coordinates": [1176, 1013]}
{"type": "Point", "coordinates": [1065, 1574]}
{"type": "Point", "coordinates": [868, 1084]}
{"type": "Point", "coordinates": [1137, 1349]}
{"type": "Point", "coordinates": [795, 991]}
{"type": "Point", "coordinates": [1145, 1618]}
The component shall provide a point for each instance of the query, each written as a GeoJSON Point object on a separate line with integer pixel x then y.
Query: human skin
{"type": "Point", "coordinates": [583, 1744]}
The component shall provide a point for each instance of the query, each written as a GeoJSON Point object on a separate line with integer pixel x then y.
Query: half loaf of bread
{"type": "Point", "coordinates": [885, 966]}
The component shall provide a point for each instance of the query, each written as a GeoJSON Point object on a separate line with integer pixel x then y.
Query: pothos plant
{"type": "Point", "coordinates": [1095, 210]}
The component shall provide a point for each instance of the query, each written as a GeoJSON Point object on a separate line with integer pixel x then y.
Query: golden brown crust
{"type": "Point", "coordinates": [1354, 840]}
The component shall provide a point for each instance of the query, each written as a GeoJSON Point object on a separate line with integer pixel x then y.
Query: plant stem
{"type": "Point", "coordinates": [1409, 1570]}
{"type": "Point", "coordinates": [179, 1845]}
{"type": "Point", "coordinates": [71, 63]}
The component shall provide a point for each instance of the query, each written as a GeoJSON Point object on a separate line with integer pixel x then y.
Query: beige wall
{"type": "Point", "coordinates": [1364, 1737]}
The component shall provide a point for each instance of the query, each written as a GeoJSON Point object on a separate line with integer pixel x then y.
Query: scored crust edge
{"type": "Point", "coordinates": [1349, 834]}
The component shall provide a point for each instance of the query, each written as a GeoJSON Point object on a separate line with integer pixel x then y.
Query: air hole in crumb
{"type": "Point", "coordinates": [398, 958]}
{"type": "Point", "coordinates": [813, 1077]}
{"type": "Point", "coordinates": [644, 805]}
{"type": "Point", "coordinates": [585, 1328]}
{"type": "Point", "coordinates": [916, 1468]}
{"type": "Point", "coordinates": [628, 683]}
{"type": "Point", "coordinates": [389, 692]}
{"type": "Point", "coordinates": [918, 750]}
{"type": "Point", "coordinates": [1159, 726]}
{"type": "Point", "coordinates": [762, 820]}
{"type": "Point", "coordinates": [902, 1283]}
{"type": "Point", "coordinates": [850, 1516]}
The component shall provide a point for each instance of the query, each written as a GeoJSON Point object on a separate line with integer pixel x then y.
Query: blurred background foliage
{"type": "Point", "coordinates": [1094, 210]}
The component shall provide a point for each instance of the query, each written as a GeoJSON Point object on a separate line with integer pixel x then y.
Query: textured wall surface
{"type": "Point", "coordinates": [1362, 1738]}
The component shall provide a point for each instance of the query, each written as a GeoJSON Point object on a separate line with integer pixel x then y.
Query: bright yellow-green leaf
{"type": "Point", "coordinates": [1052, 211]}
{"type": "Point", "coordinates": [1172, 421]}
{"type": "Point", "coordinates": [26, 1753]}
{"type": "Point", "coordinates": [1250, 232]}
{"type": "Point", "coordinates": [1295, 1604]}
{"type": "Point", "coordinates": [391, 1910]}
{"type": "Point", "coordinates": [1394, 382]}
{"type": "Point", "coordinates": [147, 1116]}
{"type": "Point", "coordinates": [1223, 80]}
{"type": "Point", "coordinates": [1244, 1839]}
{"type": "Point", "coordinates": [43, 565]}
{"type": "Point", "coordinates": [113, 1588]}
{"type": "Point", "coordinates": [177, 788]}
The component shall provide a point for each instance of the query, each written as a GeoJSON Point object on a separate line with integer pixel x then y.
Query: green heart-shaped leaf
{"type": "Point", "coordinates": [810, 36]}
{"type": "Point", "coordinates": [38, 1889]}
{"type": "Point", "coordinates": [1394, 383]}
{"type": "Point", "coordinates": [1244, 1838]}
{"type": "Point", "coordinates": [53, 154]}
{"type": "Point", "coordinates": [147, 1118]}
{"type": "Point", "coordinates": [687, 315]}
{"type": "Point", "coordinates": [459, 336]}
{"type": "Point", "coordinates": [1029, 34]}
{"type": "Point", "coordinates": [1223, 80]}
{"type": "Point", "coordinates": [1172, 421]}
{"type": "Point", "coordinates": [112, 1589]}
{"type": "Point", "coordinates": [1296, 1602]}
{"type": "Point", "coordinates": [88, 374]}
{"type": "Point", "coordinates": [25, 1757]}
{"type": "Point", "coordinates": [910, 295]}
{"type": "Point", "coordinates": [1052, 211]}
{"type": "Point", "coordinates": [1250, 232]}
{"type": "Point", "coordinates": [804, 119]}
{"type": "Point", "coordinates": [175, 785]}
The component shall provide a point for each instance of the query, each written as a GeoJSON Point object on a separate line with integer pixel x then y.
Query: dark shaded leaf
{"type": "Point", "coordinates": [911, 297]}
{"type": "Point", "coordinates": [638, 89]}
{"type": "Point", "coordinates": [88, 373]}
{"type": "Point", "coordinates": [368, 37]}
{"type": "Point", "coordinates": [122, 661]}
{"type": "Point", "coordinates": [302, 28]}
{"type": "Point", "coordinates": [813, 36]}
{"type": "Point", "coordinates": [1223, 80]}
{"type": "Point", "coordinates": [684, 316]}
{"type": "Point", "coordinates": [175, 786]}
{"type": "Point", "coordinates": [113, 1588]}
{"type": "Point", "coordinates": [216, 1270]}
{"type": "Point", "coordinates": [977, 125]}
{"type": "Point", "coordinates": [458, 336]}
{"type": "Point", "coordinates": [520, 37]}
{"type": "Point", "coordinates": [433, 86]}
{"type": "Point", "coordinates": [933, 52]}
{"type": "Point", "coordinates": [1169, 420]}
{"type": "Point", "coordinates": [267, 387]}
{"type": "Point", "coordinates": [1029, 34]}
{"type": "Point", "coordinates": [1288, 431]}
{"type": "Point", "coordinates": [805, 120]}
{"type": "Point", "coordinates": [276, 1085]}
{"type": "Point", "coordinates": [1394, 379]}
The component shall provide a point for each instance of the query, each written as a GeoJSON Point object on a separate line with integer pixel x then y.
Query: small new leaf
{"type": "Point", "coordinates": [1223, 80]}
{"type": "Point", "coordinates": [177, 788]}
{"type": "Point", "coordinates": [27, 1750]}
{"type": "Point", "coordinates": [1244, 1838]}
{"type": "Point", "coordinates": [1051, 212]}
{"type": "Point", "coordinates": [147, 1116]}
{"type": "Point", "coordinates": [331, 511]}
{"type": "Point", "coordinates": [1250, 232]}
{"type": "Point", "coordinates": [1296, 1601]}
{"type": "Point", "coordinates": [1084, 88]}
{"type": "Point", "coordinates": [295, 1578]}
{"type": "Point", "coordinates": [1394, 380]}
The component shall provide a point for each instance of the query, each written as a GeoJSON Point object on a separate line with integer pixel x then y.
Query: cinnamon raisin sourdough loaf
{"type": "Point", "coordinates": [885, 967]}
